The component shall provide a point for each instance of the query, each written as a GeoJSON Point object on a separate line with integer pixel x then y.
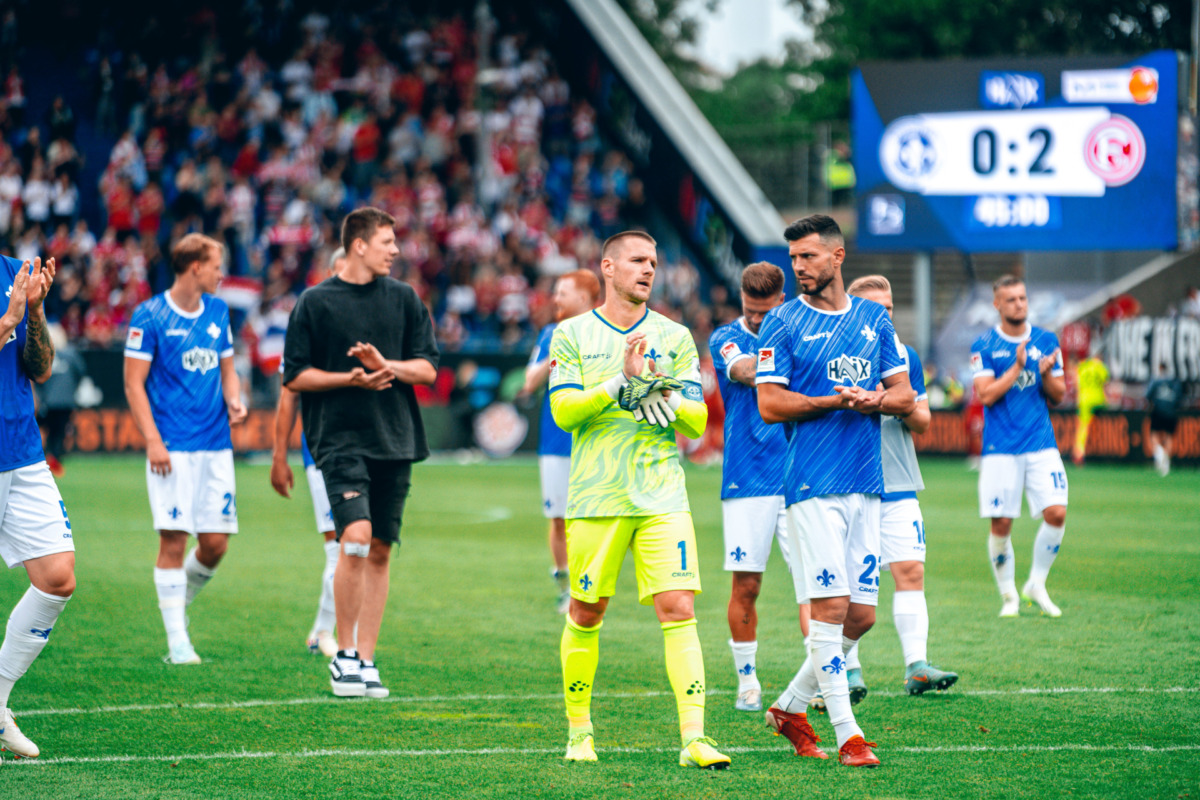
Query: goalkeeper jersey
{"type": "Point", "coordinates": [621, 467]}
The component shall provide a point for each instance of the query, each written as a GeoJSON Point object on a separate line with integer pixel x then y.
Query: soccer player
{"type": "Point", "coordinates": [34, 529]}
{"type": "Point", "coordinates": [1017, 369]}
{"type": "Point", "coordinates": [183, 394]}
{"type": "Point", "coordinates": [752, 506]}
{"type": "Point", "coordinates": [574, 294]}
{"type": "Point", "coordinates": [1092, 375]}
{"type": "Point", "coordinates": [820, 359]}
{"type": "Point", "coordinates": [608, 372]}
{"type": "Point", "coordinates": [356, 345]}
{"type": "Point", "coordinates": [901, 526]}
{"type": "Point", "coordinates": [1164, 395]}
{"type": "Point", "coordinates": [320, 638]}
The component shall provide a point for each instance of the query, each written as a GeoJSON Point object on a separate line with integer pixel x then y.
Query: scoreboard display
{"type": "Point", "coordinates": [1003, 155]}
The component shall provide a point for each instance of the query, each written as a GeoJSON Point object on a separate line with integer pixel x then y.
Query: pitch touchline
{"type": "Point", "coordinates": [305, 701]}
{"type": "Point", "coordinates": [523, 751]}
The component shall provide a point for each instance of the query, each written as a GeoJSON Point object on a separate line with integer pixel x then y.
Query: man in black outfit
{"type": "Point", "coordinates": [356, 345]}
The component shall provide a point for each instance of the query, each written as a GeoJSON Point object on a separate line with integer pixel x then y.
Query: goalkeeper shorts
{"type": "Point", "coordinates": [664, 555]}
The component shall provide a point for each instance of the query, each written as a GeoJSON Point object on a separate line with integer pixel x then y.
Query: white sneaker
{"type": "Point", "coordinates": [1037, 594]}
{"type": "Point", "coordinates": [12, 740]}
{"type": "Point", "coordinates": [346, 676]}
{"type": "Point", "coordinates": [1011, 606]}
{"type": "Point", "coordinates": [182, 653]}
{"type": "Point", "coordinates": [749, 700]}
{"type": "Point", "coordinates": [370, 677]}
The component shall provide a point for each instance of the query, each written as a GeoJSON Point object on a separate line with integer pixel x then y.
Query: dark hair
{"type": "Point", "coordinates": [1004, 281]}
{"type": "Point", "coordinates": [869, 283]}
{"type": "Point", "coordinates": [362, 224]}
{"type": "Point", "coordinates": [762, 280]}
{"type": "Point", "coordinates": [825, 227]}
{"type": "Point", "coordinates": [585, 280]}
{"type": "Point", "coordinates": [616, 239]}
{"type": "Point", "coordinates": [190, 249]}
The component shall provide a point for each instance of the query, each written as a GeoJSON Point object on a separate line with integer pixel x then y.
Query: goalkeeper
{"type": "Point", "coordinates": [623, 379]}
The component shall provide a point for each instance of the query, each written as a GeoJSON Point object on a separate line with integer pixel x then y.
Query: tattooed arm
{"type": "Point", "coordinates": [39, 351]}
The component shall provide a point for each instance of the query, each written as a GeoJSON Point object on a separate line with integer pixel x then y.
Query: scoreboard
{"type": "Point", "coordinates": [1005, 155]}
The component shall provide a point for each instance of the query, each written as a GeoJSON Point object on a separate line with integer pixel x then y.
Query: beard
{"type": "Point", "coordinates": [818, 287]}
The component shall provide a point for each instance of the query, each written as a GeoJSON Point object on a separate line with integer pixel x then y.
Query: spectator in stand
{"type": "Point", "coordinates": [36, 196]}
{"type": "Point", "coordinates": [60, 120]}
{"type": "Point", "coordinates": [1191, 302]}
{"type": "Point", "coordinates": [64, 201]}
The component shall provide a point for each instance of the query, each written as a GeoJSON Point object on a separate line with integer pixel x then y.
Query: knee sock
{"type": "Point", "coordinates": [580, 652]}
{"type": "Point", "coordinates": [850, 648]}
{"type": "Point", "coordinates": [744, 658]}
{"type": "Point", "coordinates": [1045, 550]}
{"type": "Point", "coordinates": [326, 610]}
{"type": "Point", "coordinates": [172, 598]}
{"type": "Point", "coordinates": [828, 657]}
{"type": "Point", "coordinates": [29, 627]}
{"type": "Point", "coordinates": [1001, 552]}
{"type": "Point", "coordinates": [198, 575]}
{"type": "Point", "coordinates": [685, 669]}
{"type": "Point", "coordinates": [911, 616]}
{"type": "Point", "coordinates": [799, 693]}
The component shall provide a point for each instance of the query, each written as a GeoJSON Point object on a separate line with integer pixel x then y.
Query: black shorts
{"type": "Point", "coordinates": [1163, 423]}
{"type": "Point", "coordinates": [367, 488]}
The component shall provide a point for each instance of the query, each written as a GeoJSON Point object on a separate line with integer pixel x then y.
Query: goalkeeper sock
{"type": "Point", "coordinates": [799, 693]}
{"type": "Point", "coordinates": [1001, 552]}
{"type": "Point", "coordinates": [580, 653]}
{"type": "Point", "coordinates": [685, 669]}
{"type": "Point", "coordinates": [744, 656]}
{"type": "Point", "coordinates": [1045, 550]}
{"type": "Point", "coordinates": [198, 575]}
{"type": "Point", "coordinates": [171, 585]}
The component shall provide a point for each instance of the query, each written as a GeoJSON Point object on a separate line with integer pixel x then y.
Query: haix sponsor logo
{"type": "Point", "coordinates": [850, 369]}
{"type": "Point", "coordinates": [812, 337]}
{"type": "Point", "coordinates": [200, 359]}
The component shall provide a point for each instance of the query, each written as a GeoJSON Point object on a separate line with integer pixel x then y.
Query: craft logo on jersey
{"type": "Point", "coordinates": [200, 359]}
{"type": "Point", "coordinates": [766, 359]}
{"type": "Point", "coordinates": [1115, 150]}
{"type": "Point", "coordinates": [850, 369]}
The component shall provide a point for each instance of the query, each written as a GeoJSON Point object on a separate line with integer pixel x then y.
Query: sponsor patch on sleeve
{"type": "Point", "coordinates": [134, 340]}
{"type": "Point", "coordinates": [730, 350]}
{"type": "Point", "coordinates": [976, 362]}
{"type": "Point", "coordinates": [766, 359]}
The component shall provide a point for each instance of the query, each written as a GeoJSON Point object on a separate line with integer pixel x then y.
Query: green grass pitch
{"type": "Point", "coordinates": [1104, 702]}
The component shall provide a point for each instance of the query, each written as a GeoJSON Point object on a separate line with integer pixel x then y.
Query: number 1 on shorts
{"type": "Point", "coordinates": [682, 556]}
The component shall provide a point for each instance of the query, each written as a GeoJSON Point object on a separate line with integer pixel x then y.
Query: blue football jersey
{"type": "Point", "coordinates": [552, 440]}
{"type": "Point", "coordinates": [810, 351]}
{"type": "Point", "coordinates": [755, 452]}
{"type": "Point", "coordinates": [1019, 422]}
{"type": "Point", "coordinates": [20, 439]}
{"type": "Point", "coordinates": [184, 385]}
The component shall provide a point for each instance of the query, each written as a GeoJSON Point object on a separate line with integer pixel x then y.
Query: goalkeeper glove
{"type": "Point", "coordinates": [658, 410]}
{"type": "Point", "coordinates": [632, 394]}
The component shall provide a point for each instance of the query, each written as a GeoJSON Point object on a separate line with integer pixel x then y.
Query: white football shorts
{"type": "Point", "coordinates": [1002, 476]}
{"type": "Point", "coordinates": [321, 510]}
{"type": "Point", "coordinates": [33, 518]}
{"type": "Point", "coordinates": [835, 546]}
{"type": "Point", "coordinates": [901, 532]}
{"type": "Point", "coordinates": [198, 494]}
{"type": "Point", "coordinates": [751, 523]}
{"type": "Point", "coordinates": [556, 475]}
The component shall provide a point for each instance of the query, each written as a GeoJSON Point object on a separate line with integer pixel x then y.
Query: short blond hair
{"type": "Point", "coordinates": [190, 249]}
{"type": "Point", "coordinates": [869, 283]}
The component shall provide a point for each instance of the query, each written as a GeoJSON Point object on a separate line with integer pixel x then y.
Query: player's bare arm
{"type": "Point", "coordinates": [282, 479]}
{"type": "Point", "coordinates": [536, 376]}
{"type": "Point", "coordinates": [16, 305]}
{"type": "Point", "coordinates": [743, 371]}
{"type": "Point", "coordinates": [415, 371]}
{"type": "Point", "coordinates": [39, 351]}
{"type": "Point", "coordinates": [231, 389]}
{"type": "Point", "coordinates": [136, 372]}
{"type": "Point", "coordinates": [991, 388]}
{"type": "Point", "coordinates": [319, 380]}
{"type": "Point", "coordinates": [777, 404]}
{"type": "Point", "coordinates": [1053, 386]}
{"type": "Point", "coordinates": [920, 419]}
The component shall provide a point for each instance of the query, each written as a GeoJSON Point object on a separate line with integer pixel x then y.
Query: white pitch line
{"type": "Point", "coordinates": [540, 751]}
{"type": "Point", "coordinates": [474, 698]}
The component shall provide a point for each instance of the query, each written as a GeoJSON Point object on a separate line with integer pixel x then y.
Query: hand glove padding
{"type": "Point", "coordinates": [655, 409]}
{"type": "Point", "coordinates": [638, 388]}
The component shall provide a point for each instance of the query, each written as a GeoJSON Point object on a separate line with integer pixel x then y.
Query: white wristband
{"type": "Point", "coordinates": [613, 385]}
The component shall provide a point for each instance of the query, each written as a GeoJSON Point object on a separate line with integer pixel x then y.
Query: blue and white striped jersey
{"type": "Point", "coordinates": [184, 385]}
{"type": "Point", "coordinates": [552, 440]}
{"type": "Point", "coordinates": [901, 473]}
{"type": "Point", "coordinates": [810, 351]}
{"type": "Point", "coordinates": [1019, 422]}
{"type": "Point", "coordinates": [20, 439]}
{"type": "Point", "coordinates": [755, 452]}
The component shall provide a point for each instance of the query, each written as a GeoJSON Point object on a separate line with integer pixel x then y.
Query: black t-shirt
{"type": "Point", "coordinates": [326, 322]}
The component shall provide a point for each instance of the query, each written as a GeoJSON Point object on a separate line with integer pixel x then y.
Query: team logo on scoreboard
{"type": "Point", "coordinates": [1115, 150]}
{"type": "Point", "coordinates": [908, 153]}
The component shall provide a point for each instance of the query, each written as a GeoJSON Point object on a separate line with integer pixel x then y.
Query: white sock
{"type": "Point", "coordinates": [1160, 455]}
{"type": "Point", "coordinates": [825, 651]}
{"type": "Point", "coordinates": [198, 575]}
{"type": "Point", "coordinates": [172, 586]}
{"type": "Point", "coordinates": [326, 616]}
{"type": "Point", "coordinates": [850, 648]}
{"type": "Point", "coordinates": [1045, 550]}
{"type": "Point", "coordinates": [29, 627]}
{"type": "Point", "coordinates": [744, 656]}
{"type": "Point", "coordinates": [799, 693]}
{"type": "Point", "coordinates": [1001, 553]}
{"type": "Point", "coordinates": [911, 616]}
